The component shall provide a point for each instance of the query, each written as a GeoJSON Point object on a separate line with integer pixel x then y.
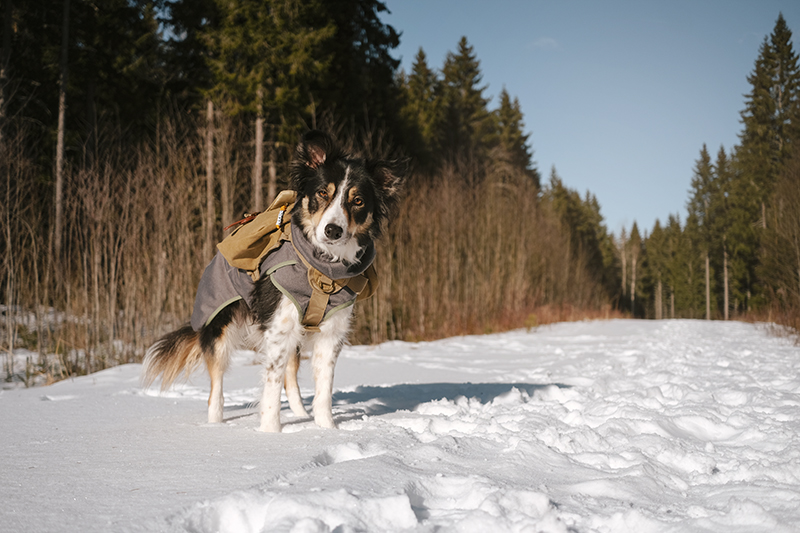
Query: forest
{"type": "Point", "coordinates": [133, 131]}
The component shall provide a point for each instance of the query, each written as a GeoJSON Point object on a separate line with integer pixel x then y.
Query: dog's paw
{"type": "Point", "coordinates": [325, 421]}
{"type": "Point", "coordinates": [298, 410]}
{"type": "Point", "coordinates": [269, 428]}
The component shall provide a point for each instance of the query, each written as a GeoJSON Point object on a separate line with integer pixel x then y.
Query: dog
{"type": "Point", "coordinates": [343, 204]}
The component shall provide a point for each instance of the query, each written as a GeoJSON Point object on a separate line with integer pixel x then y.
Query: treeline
{"type": "Point", "coordinates": [737, 252]}
{"type": "Point", "coordinates": [133, 131]}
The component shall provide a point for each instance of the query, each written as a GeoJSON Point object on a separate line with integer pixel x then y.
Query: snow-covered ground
{"type": "Point", "coordinates": [640, 426]}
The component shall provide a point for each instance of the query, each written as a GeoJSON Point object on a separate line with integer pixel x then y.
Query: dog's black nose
{"type": "Point", "coordinates": [333, 232]}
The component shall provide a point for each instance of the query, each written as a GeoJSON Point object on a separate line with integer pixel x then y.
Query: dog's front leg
{"type": "Point", "coordinates": [279, 342]}
{"type": "Point", "coordinates": [327, 346]}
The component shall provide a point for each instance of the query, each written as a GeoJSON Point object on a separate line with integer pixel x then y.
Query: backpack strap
{"type": "Point", "coordinates": [255, 237]}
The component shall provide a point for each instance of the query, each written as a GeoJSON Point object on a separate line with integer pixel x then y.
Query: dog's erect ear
{"type": "Point", "coordinates": [315, 148]}
{"type": "Point", "coordinates": [389, 176]}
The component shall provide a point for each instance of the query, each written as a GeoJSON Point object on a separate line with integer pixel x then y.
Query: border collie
{"type": "Point", "coordinates": [343, 202]}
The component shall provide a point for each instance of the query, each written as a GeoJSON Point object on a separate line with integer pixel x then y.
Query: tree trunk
{"type": "Point", "coordinates": [226, 199]}
{"type": "Point", "coordinates": [633, 285]}
{"type": "Point", "coordinates": [272, 184]}
{"type": "Point", "coordinates": [725, 277]}
{"type": "Point", "coordinates": [708, 289]}
{"type": "Point", "coordinates": [659, 303]}
{"type": "Point", "coordinates": [258, 185]}
{"type": "Point", "coordinates": [624, 271]}
{"type": "Point", "coordinates": [62, 109]}
{"type": "Point", "coordinates": [672, 303]}
{"type": "Point", "coordinates": [208, 245]}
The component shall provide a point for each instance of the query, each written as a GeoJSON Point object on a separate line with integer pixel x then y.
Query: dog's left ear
{"type": "Point", "coordinates": [315, 148]}
{"type": "Point", "coordinates": [390, 176]}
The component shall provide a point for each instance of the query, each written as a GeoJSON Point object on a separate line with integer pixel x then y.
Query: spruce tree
{"type": "Point", "coordinates": [421, 109]}
{"type": "Point", "coordinates": [656, 252]}
{"type": "Point", "coordinates": [785, 90]}
{"type": "Point", "coordinates": [677, 269]}
{"type": "Point", "coordinates": [635, 253]}
{"type": "Point", "coordinates": [770, 127]}
{"type": "Point", "coordinates": [467, 126]}
{"type": "Point", "coordinates": [512, 143]}
{"type": "Point", "coordinates": [360, 86]}
{"type": "Point", "coordinates": [700, 214]}
{"type": "Point", "coordinates": [723, 239]}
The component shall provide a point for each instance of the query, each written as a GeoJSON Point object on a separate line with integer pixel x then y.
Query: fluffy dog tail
{"type": "Point", "coordinates": [174, 354]}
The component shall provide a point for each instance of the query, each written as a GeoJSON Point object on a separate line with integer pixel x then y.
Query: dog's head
{"type": "Point", "coordinates": [343, 201]}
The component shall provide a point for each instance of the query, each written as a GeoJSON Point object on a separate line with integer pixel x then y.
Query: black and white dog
{"type": "Point", "coordinates": [343, 202]}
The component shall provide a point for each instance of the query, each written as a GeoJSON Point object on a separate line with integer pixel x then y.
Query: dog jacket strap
{"type": "Point", "coordinates": [367, 283]}
{"type": "Point", "coordinates": [321, 288]}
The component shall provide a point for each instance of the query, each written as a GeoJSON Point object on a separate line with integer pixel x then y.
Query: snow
{"type": "Point", "coordinates": [606, 426]}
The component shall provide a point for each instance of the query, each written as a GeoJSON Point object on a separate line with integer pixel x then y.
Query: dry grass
{"type": "Point", "coordinates": [473, 250]}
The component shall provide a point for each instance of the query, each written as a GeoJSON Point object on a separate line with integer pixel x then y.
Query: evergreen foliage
{"type": "Point", "coordinates": [738, 210]}
{"type": "Point", "coordinates": [467, 127]}
{"type": "Point", "coordinates": [512, 143]}
{"type": "Point", "coordinates": [421, 110]}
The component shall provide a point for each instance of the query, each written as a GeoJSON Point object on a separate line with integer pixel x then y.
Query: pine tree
{"type": "Point", "coordinates": [677, 274]}
{"type": "Point", "coordinates": [590, 242]}
{"type": "Point", "coordinates": [360, 88]}
{"type": "Point", "coordinates": [512, 144]}
{"type": "Point", "coordinates": [263, 58]}
{"type": "Point", "coordinates": [656, 252]}
{"type": "Point", "coordinates": [781, 244]}
{"type": "Point", "coordinates": [770, 126]}
{"type": "Point", "coordinates": [785, 90]}
{"type": "Point", "coordinates": [421, 110]}
{"type": "Point", "coordinates": [700, 212]}
{"type": "Point", "coordinates": [467, 126]}
{"type": "Point", "coordinates": [720, 229]}
{"type": "Point", "coordinates": [634, 252]}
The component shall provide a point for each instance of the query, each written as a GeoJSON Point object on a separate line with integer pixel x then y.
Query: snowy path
{"type": "Point", "coordinates": [596, 426]}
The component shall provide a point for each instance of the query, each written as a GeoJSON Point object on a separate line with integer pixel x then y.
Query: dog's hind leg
{"type": "Point", "coordinates": [217, 340]}
{"type": "Point", "coordinates": [216, 365]}
{"type": "Point", "coordinates": [292, 389]}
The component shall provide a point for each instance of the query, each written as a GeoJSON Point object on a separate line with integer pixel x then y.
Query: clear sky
{"type": "Point", "coordinates": [619, 96]}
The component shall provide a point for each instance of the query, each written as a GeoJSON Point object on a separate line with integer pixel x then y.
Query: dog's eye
{"type": "Point", "coordinates": [323, 194]}
{"type": "Point", "coordinates": [358, 201]}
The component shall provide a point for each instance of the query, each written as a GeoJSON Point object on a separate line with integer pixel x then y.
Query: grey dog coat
{"type": "Point", "coordinates": [286, 267]}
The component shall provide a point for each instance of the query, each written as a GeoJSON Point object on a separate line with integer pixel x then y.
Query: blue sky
{"type": "Point", "coordinates": [619, 96]}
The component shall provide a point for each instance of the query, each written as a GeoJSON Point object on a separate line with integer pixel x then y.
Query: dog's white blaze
{"type": "Point", "coordinates": [345, 248]}
{"type": "Point", "coordinates": [334, 213]}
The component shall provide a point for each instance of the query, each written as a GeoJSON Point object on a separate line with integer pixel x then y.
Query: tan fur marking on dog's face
{"type": "Point", "coordinates": [354, 227]}
{"type": "Point", "coordinates": [323, 203]}
{"type": "Point", "coordinates": [351, 194]}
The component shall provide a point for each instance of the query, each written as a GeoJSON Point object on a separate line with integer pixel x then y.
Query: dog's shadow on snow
{"type": "Point", "coordinates": [381, 400]}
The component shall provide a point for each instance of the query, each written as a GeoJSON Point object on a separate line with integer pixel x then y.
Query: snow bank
{"type": "Point", "coordinates": [663, 426]}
